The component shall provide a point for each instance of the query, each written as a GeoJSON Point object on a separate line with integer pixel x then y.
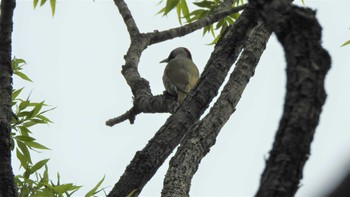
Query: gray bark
{"type": "Point", "coordinates": [7, 185]}
{"type": "Point", "coordinates": [307, 65]}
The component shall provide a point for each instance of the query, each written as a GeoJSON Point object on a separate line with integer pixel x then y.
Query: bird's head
{"type": "Point", "coordinates": [178, 52]}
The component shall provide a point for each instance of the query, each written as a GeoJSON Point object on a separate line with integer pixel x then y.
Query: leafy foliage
{"type": "Point", "coordinates": [205, 8]}
{"type": "Point", "coordinates": [34, 181]}
{"type": "Point", "coordinates": [346, 43]}
{"type": "Point", "coordinates": [42, 2]}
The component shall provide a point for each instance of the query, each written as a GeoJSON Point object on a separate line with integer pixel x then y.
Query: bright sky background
{"type": "Point", "coordinates": [75, 61]}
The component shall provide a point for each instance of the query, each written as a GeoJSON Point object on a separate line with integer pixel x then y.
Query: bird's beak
{"type": "Point", "coordinates": [164, 61]}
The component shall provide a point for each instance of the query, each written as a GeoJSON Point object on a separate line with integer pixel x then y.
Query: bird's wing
{"type": "Point", "coordinates": [183, 73]}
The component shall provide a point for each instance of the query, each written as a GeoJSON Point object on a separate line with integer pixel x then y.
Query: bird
{"type": "Point", "coordinates": [180, 74]}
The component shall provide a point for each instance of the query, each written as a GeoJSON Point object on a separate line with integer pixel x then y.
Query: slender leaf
{"type": "Point", "coordinates": [37, 108]}
{"type": "Point", "coordinates": [132, 193]}
{"type": "Point", "coordinates": [170, 4]}
{"type": "Point", "coordinates": [42, 2]}
{"type": "Point", "coordinates": [178, 11]}
{"type": "Point", "coordinates": [22, 159]}
{"type": "Point", "coordinates": [44, 118]}
{"type": "Point", "coordinates": [60, 189]}
{"type": "Point", "coordinates": [24, 130]}
{"type": "Point", "coordinates": [24, 150]}
{"type": "Point", "coordinates": [15, 93]}
{"type": "Point", "coordinates": [45, 192]}
{"type": "Point", "coordinates": [346, 43]}
{"type": "Point", "coordinates": [22, 75]}
{"type": "Point", "coordinates": [53, 6]}
{"type": "Point", "coordinates": [161, 11]}
{"type": "Point", "coordinates": [35, 2]}
{"type": "Point", "coordinates": [36, 145]}
{"type": "Point", "coordinates": [23, 105]}
{"type": "Point", "coordinates": [24, 138]}
{"type": "Point", "coordinates": [215, 40]}
{"type": "Point", "coordinates": [29, 123]}
{"type": "Point", "coordinates": [185, 10]}
{"type": "Point", "coordinates": [93, 191]}
{"type": "Point", "coordinates": [38, 165]}
{"type": "Point", "coordinates": [24, 113]}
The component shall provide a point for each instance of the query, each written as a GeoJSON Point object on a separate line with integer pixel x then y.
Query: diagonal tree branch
{"type": "Point", "coordinates": [307, 65]}
{"type": "Point", "coordinates": [155, 104]}
{"type": "Point", "coordinates": [128, 19]}
{"type": "Point", "coordinates": [7, 185]}
{"type": "Point", "coordinates": [202, 135]}
{"type": "Point", "coordinates": [156, 37]}
{"type": "Point", "coordinates": [147, 161]}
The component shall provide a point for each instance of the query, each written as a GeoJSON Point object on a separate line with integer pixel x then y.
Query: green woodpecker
{"type": "Point", "coordinates": [180, 74]}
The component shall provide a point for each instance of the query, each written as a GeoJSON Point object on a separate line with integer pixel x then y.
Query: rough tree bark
{"type": "Point", "coordinates": [147, 161]}
{"type": "Point", "coordinates": [304, 99]}
{"type": "Point", "coordinates": [7, 185]}
{"type": "Point", "coordinates": [202, 135]}
{"type": "Point", "coordinates": [307, 64]}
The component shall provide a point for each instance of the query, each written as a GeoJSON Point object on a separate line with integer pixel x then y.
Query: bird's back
{"type": "Point", "coordinates": [180, 75]}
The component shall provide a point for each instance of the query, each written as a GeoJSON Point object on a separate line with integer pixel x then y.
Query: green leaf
{"type": "Point", "coordinates": [23, 105]}
{"type": "Point", "coordinates": [44, 118]}
{"type": "Point", "coordinates": [22, 75]}
{"type": "Point", "coordinates": [132, 193]}
{"type": "Point", "coordinates": [60, 189]}
{"type": "Point", "coordinates": [22, 159]}
{"type": "Point", "coordinates": [346, 43]}
{"type": "Point", "coordinates": [37, 108]}
{"type": "Point", "coordinates": [215, 40]}
{"type": "Point", "coordinates": [205, 4]}
{"type": "Point", "coordinates": [170, 4]}
{"type": "Point", "coordinates": [219, 24]}
{"type": "Point", "coordinates": [235, 15]}
{"type": "Point", "coordinates": [15, 93]}
{"type": "Point", "coordinates": [35, 2]}
{"type": "Point", "coordinates": [53, 6]}
{"type": "Point", "coordinates": [38, 165]}
{"type": "Point", "coordinates": [36, 145]}
{"type": "Point", "coordinates": [24, 130]}
{"type": "Point", "coordinates": [212, 30]}
{"type": "Point", "coordinates": [93, 191]}
{"type": "Point", "coordinates": [42, 2]}
{"type": "Point", "coordinates": [24, 113]}
{"type": "Point", "coordinates": [47, 110]}
{"type": "Point", "coordinates": [24, 150]}
{"type": "Point", "coordinates": [178, 11]}
{"type": "Point", "coordinates": [58, 178]}
{"type": "Point", "coordinates": [17, 64]}
{"type": "Point", "coordinates": [47, 192]}
{"type": "Point", "coordinates": [24, 138]}
{"type": "Point", "coordinates": [185, 10]}
{"type": "Point", "coordinates": [29, 123]}
{"type": "Point", "coordinates": [161, 11]}
{"type": "Point", "coordinates": [44, 179]}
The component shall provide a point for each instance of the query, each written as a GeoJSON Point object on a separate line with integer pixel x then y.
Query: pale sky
{"type": "Point", "coordinates": [75, 60]}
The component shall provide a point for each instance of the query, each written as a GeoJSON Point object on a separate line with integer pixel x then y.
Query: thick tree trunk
{"type": "Point", "coordinates": [7, 185]}
{"type": "Point", "coordinates": [307, 64]}
{"type": "Point", "coordinates": [203, 134]}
